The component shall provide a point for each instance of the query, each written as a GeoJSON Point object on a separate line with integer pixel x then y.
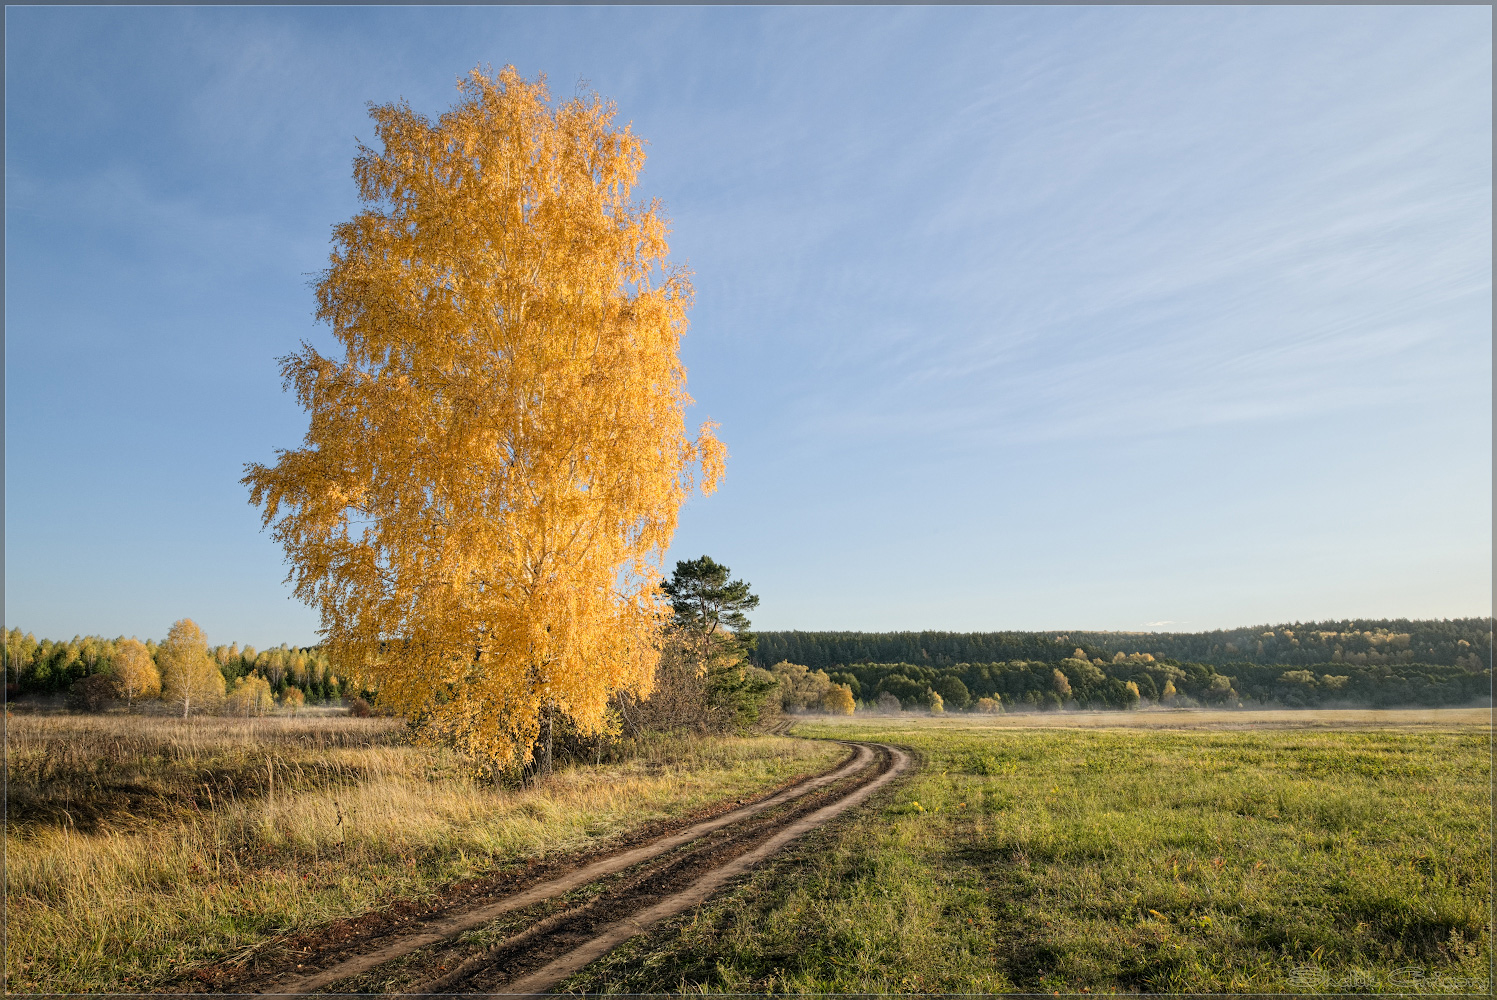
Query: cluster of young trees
{"type": "Point", "coordinates": [799, 688]}
{"type": "Point", "coordinates": [182, 670]}
{"type": "Point", "coordinates": [1017, 684]}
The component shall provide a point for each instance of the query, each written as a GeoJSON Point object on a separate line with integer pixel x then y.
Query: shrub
{"type": "Point", "coordinates": [293, 699]}
{"type": "Point", "coordinates": [359, 709]}
{"type": "Point", "coordinates": [888, 703]}
{"type": "Point", "coordinates": [989, 706]}
{"type": "Point", "coordinates": [92, 693]}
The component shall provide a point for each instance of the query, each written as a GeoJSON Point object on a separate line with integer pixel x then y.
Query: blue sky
{"type": "Point", "coordinates": [1012, 317]}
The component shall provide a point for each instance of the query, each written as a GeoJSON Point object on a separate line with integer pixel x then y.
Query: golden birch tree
{"type": "Point", "coordinates": [493, 468]}
{"type": "Point", "coordinates": [189, 676]}
{"type": "Point", "coordinates": [136, 671]}
{"type": "Point", "coordinates": [838, 700]}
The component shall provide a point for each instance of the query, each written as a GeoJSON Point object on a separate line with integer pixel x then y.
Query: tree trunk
{"type": "Point", "coordinates": [550, 739]}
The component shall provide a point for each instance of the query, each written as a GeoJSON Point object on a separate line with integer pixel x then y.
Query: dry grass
{"type": "Point", "coordinates": [263, 827]}
{"type": "Point", "coordinates": [89, 772]}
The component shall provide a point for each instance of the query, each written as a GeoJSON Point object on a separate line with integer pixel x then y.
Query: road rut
{"type": "Point", "coordinates": [633, 889]}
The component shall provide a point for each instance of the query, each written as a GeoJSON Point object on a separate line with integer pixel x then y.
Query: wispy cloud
{"type": "Point", "coordinates": [1011, 314]}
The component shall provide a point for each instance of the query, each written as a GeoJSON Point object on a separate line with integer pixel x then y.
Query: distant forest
{"type": "Point", "coordinates": [1377, 663]}
{"type": "Point", "coordinates": [1458, 642]}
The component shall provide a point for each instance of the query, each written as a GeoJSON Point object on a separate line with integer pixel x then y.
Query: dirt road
{"type": "Point", "coordinates": [530, 939]}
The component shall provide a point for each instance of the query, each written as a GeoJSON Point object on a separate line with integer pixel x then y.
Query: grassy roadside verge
{"type": "Point", "coordinates": [201, 839]}
{"type": "Point", "coordinates": [1116, 860]}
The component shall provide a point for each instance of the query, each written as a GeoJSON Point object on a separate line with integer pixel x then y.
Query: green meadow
{"type": "Point", "coordinates": [1309, 853]}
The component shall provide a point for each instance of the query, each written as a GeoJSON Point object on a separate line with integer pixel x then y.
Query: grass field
{"type": "Point", "coordinates": [1209, 852]}
{"type": "Point", "coordinates": [138, 847]}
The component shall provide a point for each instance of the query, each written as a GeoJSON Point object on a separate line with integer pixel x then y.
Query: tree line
{"type": "Point", "coordinates": [286, 674]}
{"type": "Point", "coordinates": [833, 650]}
{"type": "Point", "coordinates": [1459, 642]}
{"type": "Point", "coordinates": [1131, 680]}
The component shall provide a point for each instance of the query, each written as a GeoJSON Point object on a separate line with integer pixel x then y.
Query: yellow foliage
{"type": "Point", "coordinates": [989, 706]}
{"type": "Point", "coordinates": [1061, 683]}
{"type": "Point", "coordinates": [189, 676]}
{"type": "Point", "coordinates": [293, 699]}
{"type": "Point", "coordinates": [493, 471]}
{"type": "Point", "coordinates": [136, 670]}
{"type": "Point", "coordinates": [838, 700]}
{"type": "Point", "coordinates": [250, 696]}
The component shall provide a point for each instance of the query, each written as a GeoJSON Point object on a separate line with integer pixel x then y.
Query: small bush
{"type": "Point", "coordinates": [359, 709]}
{"type": "Point", "coordinates": [888, 703]}
{"type": "Point", "coordinates": [989, 706]}
{"type": "Point", "coordinates": [92, 693]}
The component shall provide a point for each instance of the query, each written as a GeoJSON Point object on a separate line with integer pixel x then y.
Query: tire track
{"type": "Point", "coordinates": [726, 833]}
{"type": "Point", "coordinates": [548, 955]}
